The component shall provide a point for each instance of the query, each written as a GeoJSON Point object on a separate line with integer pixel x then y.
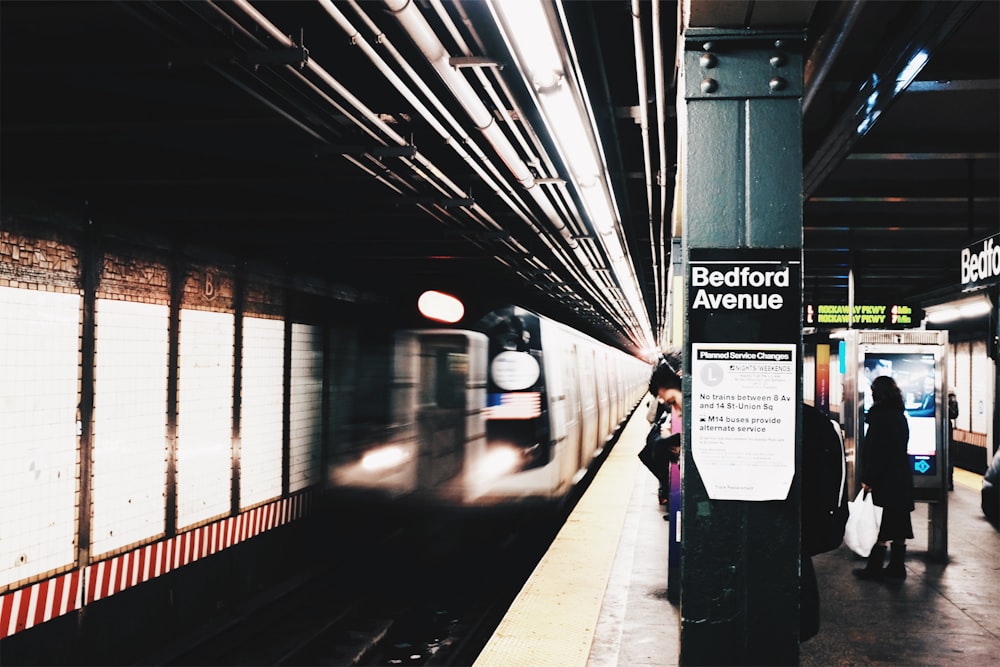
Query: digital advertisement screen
{"type": "Point", "coordinates": [914, 373]}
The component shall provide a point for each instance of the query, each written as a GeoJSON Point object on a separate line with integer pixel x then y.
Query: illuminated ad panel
{"type": "Point", "coordinates": [129, 444]}
{"type": "Point", "coordinates": [39, 358]}
{"type": "Point", "coordinates": [204, 416]}
{"type": "Point", "coordinates": [305, 417]}
{"type": "Point", "coordinates": [261, 408]}
{"type": "Point", "coordinates": [916, 375]}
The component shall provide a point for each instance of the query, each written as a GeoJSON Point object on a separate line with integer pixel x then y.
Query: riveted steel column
{"type": "Point", "coordinates": [741, 161]}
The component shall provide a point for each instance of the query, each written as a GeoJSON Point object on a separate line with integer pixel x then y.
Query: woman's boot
{"type": "Point", "coordinates": [873, 570]}
{"type": "Point", "coordinates": [895, 568]}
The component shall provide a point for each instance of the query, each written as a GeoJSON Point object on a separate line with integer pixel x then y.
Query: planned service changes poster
{"type": "Point", "coordinates": [743, 419]}
{"type": "Point", "coordinates": [744, 328]}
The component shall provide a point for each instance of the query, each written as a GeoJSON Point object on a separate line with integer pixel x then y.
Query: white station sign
{"type": "Point", "coordinates": [743, 418]}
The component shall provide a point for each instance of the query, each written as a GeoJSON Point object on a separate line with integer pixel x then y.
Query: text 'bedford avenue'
{"type": "Point", "coordinates": [738, 277]}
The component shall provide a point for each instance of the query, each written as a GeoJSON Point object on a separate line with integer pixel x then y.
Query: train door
{"type": "Point", "coordinates": [573, 447]}
{"type": "Point", "coordinates": [440, 410]}
{"type": "Point", "coordinates": [588, 404]}
{"type": "Point", "coordinates": [603, 400]}
{"type": "Point", "coordinates": [616, 396]}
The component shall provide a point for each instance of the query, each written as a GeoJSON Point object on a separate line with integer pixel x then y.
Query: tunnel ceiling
{"type": "Point", "coordinates": [268, 132]}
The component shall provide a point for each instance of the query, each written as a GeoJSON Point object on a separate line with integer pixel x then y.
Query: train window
{"type": "Point", "coordinates": [444, 378]}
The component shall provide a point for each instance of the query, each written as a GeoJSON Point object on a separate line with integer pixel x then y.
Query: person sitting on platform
{"type": "Point", "coordinates": [663, 447]}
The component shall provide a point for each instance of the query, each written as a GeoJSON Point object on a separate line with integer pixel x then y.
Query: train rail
{"type": "Point", "coordinates": [412, 587]}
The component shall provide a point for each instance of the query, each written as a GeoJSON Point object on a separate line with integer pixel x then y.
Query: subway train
{"type": "Point", "coordinates": [514, 409]}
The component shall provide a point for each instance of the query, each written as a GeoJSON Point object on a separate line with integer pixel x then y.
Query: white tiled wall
{"type": "Point", "coordinates": [204, 416]}
{"type": "Point", "coordinates": [39, 367]}
{"type": "Point", "coordinates": [261, 408]}
{"type": "Point", "coordinates": [983, 401]}
{"type": "Point", "coordinates": [305, 420]}
{"type": "Point", "coordinates": [129, 445]}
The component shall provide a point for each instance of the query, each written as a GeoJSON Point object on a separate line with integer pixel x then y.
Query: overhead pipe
{"type": "Point", "coordinates": [560, 196]}
{"type": "Point", "coordinates": [423, 36]}
{"type": "Point", "coordinates": [416, 26]}
{"type": "Point", "coordinates": [576, 90]}
{"type": "Point", "coordinates": [536, 153]}
{"type": "Point", "coordinates": [373, 121]}
{"type": "Point", "coordinates": [383, 67]}
{"type": "Point", "coordinates": [640, 76]}
{"type": "Point", "coordinates": [490, 85]}
{"type": "Point", "coordinates": [661, 122]}
{"type": "Point", "coordinates": [523, 133]}
{"type": "Point", "coordinates": [272, 30]}
{"type": "Point", "coordinates": [456, 143]}
{"type": "Point", "coordinates": [420, 165]}
{"type": "Point", "coordinates": [628, 283]}
{"type": "Point", "coordinates": [493, 181]}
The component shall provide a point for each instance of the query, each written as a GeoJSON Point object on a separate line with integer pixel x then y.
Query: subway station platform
{"type": "Point", "coordinates": [599, 598]}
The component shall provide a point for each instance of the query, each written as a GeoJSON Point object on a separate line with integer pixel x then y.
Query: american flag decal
{"type": "Point", "coordinates": [514, 405]}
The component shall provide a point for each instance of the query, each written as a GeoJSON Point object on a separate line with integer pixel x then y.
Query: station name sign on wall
{"type": "Point", "coordinates": [866, 316]}
{"type": "Point", "coordinates": [744, 328]}
{"type": "Point", "coordinates": [980, 263]}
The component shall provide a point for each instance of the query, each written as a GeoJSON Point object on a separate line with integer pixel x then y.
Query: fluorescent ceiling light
{"type": "Point", "coordinates": [943, 315]}
{"type": "Point", "coordinates": [546, 59]}
{"type": "Point", "coordinates": [565, 121]}
{"type": "Point", "coordinates": [964, 309]}
{"type": "Point", "coordinates": [532, 35]}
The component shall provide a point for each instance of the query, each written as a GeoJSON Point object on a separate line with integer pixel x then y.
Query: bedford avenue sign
{"type": "Point", "coordinates": [744, 309]}
{"type": "Point", "coordinates": [980, 262]}
{"type": "Point", "coordinates": [704, 277]}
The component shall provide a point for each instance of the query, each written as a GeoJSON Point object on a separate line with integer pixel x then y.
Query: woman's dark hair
{"type": "Point", "coordinates": [886, 392]}
{"type": "Point", "coordinates": [663, 377]}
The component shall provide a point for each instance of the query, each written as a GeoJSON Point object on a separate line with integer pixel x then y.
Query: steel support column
{"type": "Point", "coordinates": [741, 160]}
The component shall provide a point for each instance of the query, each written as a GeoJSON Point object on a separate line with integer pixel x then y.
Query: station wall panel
{"type": "Point", "coordinates": [129, 443]}
{"type": "Point", "coordinates": [39, 381]}
{"type": "Point", "coordinates": [261, 410]}
{"type": "Point", "coordinates": [305, 417]}
{"type": "Point", "coordinates": [981, 382]}
{"type": "Point", "coordinates": [963, 383]}
{"type": "Point", "coordinates": [204, 416]}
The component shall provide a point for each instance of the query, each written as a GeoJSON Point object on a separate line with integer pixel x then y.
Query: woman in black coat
{"type": "Point", "coordinates": [886, 474]}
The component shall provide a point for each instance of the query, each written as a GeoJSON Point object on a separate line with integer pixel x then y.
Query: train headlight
{"type": "Point", "coordinates": [384, 458]}
{"type": "Point", "coordinates": [500, 461]}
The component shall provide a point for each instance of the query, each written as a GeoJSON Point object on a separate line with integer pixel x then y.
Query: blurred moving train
{"type": "Point", "coordinates": [516, 409]}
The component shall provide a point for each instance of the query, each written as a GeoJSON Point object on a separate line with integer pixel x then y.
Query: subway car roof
{"type": "Point", "coordinates": [331, 139]}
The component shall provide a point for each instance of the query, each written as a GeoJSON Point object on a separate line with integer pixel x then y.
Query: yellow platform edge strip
{"type": "Point", "coordinates": [553, 618]}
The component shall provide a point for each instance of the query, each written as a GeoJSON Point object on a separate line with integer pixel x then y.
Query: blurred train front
{"type": "Point", "coordinates": [517, 409]}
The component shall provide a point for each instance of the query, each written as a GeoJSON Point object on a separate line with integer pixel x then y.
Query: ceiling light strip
{"type": "Point", "coordinates": [546, 62]}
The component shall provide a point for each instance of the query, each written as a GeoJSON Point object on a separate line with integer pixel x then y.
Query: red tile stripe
{"type": "Point", "coordinates": [42, 601]}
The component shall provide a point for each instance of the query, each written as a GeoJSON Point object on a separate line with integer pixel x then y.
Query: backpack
{"type": "Point", "coordinates": [824, 482]}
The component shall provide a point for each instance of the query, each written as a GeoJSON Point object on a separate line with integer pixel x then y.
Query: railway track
{"type": "Point", "coordinates": [412, 593]}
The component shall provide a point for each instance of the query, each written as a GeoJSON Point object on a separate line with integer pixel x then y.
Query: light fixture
{"type": "Point", "coordinates": [963, 309]}
{"type": "Point", "coordinates": [539, 42]}
{"type": "Point", "coordinates": [441, 307]}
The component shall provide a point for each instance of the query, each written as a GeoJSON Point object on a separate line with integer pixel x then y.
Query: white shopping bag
{"type": "Point", "coordinates": [861, 532]}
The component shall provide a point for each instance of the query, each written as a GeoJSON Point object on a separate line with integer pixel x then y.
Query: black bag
{"type": "Point", "coordinates": [660, 452]}
{"type": "Point", "coordinates": [824, 482]}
